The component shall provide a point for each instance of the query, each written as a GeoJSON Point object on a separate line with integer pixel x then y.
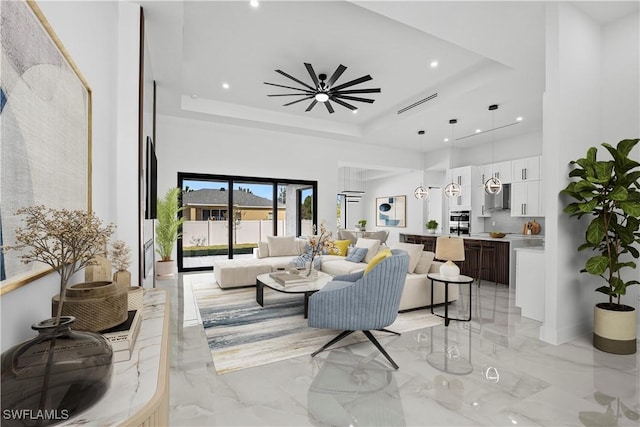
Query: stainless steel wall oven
{"type": "Point", "coordinates": [460, 222]}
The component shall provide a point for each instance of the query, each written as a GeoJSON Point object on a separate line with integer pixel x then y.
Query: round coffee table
{"type": "Point", "coordinates": [307, 287]}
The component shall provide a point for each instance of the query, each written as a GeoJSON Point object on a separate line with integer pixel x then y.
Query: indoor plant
{"type": "Point", "coordinates": [432, 225]}
{"type": "Point", "coordinates": [609, 192]}
{"type": "Point", "coordinates": [362, 224]}
{"type": "Point", "coordinates": [59, 366]}
{"type": "Point", "coordinates": [167, 230]}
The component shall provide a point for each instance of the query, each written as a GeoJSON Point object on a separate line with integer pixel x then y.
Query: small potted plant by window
{"type": "Point", "coordinates": [432, 225]}
{"type": "Point", "coordinates": [362, 224]}
{"type": "Point", "coordinates": [167, 231]}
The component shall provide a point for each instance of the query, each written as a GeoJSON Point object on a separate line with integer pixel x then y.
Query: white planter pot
{"type": "Point", "coordinates": [165, 269]}
{"type": "Point", "coordinates": [614, 331]}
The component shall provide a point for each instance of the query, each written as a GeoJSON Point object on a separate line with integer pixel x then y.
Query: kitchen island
{"type": "Point", "coordinates": [505, 262]}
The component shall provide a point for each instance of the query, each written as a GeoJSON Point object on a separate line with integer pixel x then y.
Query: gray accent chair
{"type": "Point", "coordinates": [381, 235]}
{"type": "Point", "coordinates": [361, 302]}
{"type": "Point", "coordinates": [347, 235]}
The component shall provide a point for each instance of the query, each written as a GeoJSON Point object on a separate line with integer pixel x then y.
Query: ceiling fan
{"type": "Point", "coordinates": [324, 91]}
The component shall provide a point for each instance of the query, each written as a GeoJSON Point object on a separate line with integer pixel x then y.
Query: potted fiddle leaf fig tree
{"type": "Point", "coordinates": [167, 231]}
{"type": "Point", "coordinates": [608, 191]}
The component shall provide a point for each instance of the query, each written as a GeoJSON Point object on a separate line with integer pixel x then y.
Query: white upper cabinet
{"type": "Point", "coordinates": [502, 171]}
{"type": "Point", "coordinates": [525, 199]}
{"type": "Point", "coordinates": [528, 169]}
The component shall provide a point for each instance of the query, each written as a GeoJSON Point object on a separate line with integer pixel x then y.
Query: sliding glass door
{"type": "Point", "coordinates": [226, 216]}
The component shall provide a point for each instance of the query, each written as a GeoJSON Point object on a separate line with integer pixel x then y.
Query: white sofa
{"type": "Point", "coordinates": [417, 291]}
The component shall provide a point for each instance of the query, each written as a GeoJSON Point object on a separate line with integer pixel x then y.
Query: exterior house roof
{"type": "Point", "coordinates": [214, 197]}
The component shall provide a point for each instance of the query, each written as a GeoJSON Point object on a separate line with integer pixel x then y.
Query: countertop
{"type": "Point", "coordinates": [536, 249]}
{"type": "Point", "coordinates": [510, 237]}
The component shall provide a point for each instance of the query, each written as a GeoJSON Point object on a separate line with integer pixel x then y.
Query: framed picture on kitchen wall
{"type": "Point", "coordinates": [45, 130]}
{"type": "Point", "coordinates": [391, 211]}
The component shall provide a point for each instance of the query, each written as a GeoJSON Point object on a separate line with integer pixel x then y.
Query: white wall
{"type": "Point", "coordinates": [89, 31]}
{"type": "Point", "coordinates": [195, 146]}
{"type": "Point", "coordinates": [574, 120]}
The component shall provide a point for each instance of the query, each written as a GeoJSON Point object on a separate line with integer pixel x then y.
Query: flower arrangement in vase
{"type": "Point", "coordinates": [121, 260]}
{"type": "Point", "coordinates": [319, 244]}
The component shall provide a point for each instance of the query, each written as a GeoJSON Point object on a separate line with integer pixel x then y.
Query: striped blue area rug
{"type": "Point", "coordinates": [241, 334]}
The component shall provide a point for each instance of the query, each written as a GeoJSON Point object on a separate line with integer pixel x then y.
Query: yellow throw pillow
{"type": "Point", "coordinates": [386, 253]}
{"type": "Point", "coordinates": [342, 246]}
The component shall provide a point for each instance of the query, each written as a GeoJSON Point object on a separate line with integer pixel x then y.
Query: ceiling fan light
{"type": "Point", "coordinates": [322, 97]}
{"type": "Point", "coordinates": [493, 186]}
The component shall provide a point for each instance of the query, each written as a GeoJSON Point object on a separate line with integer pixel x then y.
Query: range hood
{"type": "Point", "coordinates": [500, 201]}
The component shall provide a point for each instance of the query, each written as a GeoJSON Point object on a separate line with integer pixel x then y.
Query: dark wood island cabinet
{"type": "Point", "coordinates": [469, 265]}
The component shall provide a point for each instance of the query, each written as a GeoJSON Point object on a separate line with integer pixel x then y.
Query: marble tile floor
{"type": "Point", "coordinates": [492, 371]}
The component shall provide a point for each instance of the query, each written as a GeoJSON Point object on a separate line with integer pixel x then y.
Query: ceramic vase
{"type": "Point", "coordinates": [55, 375]}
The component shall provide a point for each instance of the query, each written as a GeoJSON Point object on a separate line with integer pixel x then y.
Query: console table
{"type": "Point", "coordinates": [139, 390]}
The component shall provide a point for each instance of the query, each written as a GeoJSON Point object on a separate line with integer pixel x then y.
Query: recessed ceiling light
{"type": "Point", "coordinates": [354, 111]}
{"type": "Point", "coordinates": [446, 140]}
{"type": "Point", "coordinates": [254, 3]}
{"type": "Point", "coordinates": [478, 130]}
{"type": "Point", "coordinates": [519, 119]}
{"type": "Point", "coordinates": [225, 85]}
{"type": "Point", "coordinates": [433, 64]}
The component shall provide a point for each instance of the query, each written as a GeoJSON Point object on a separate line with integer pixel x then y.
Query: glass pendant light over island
{"type": "Point", "coordinates": [421, 192]}
{"type": "Point", "coordinates": [452, 189]}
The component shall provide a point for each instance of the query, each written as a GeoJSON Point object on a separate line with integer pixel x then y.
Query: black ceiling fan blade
{"type": "Point", "coordinates": [289, 87]}
{"type": "Point", "coordinates": [340, 92]}
{"type": "Point", "coordinates": [344, 104]}
{"type": "Point", "coordinates": [313, 104]}
{"type": "Point", "coordinates": [353, 82]}
{"type": "Point", "coordinates": [298, 100]}
{"type": "Point", "coordinates": [292, 94]}
{"type": "Point", "coordinates": [313, 75]}
{"type": "Point", "coordinates": [336, 75]}
{"type": "Point", "coordinates": [294, 79]}
{"type": "Point", "coordinates": [329, 107]}
{"type": "Point", "coordinates": [354, 98]}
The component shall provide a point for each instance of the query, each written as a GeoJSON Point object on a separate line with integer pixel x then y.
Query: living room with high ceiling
{"type": "Point", "coordinates": [230, 89]}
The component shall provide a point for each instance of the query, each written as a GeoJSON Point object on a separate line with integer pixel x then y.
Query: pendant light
{"type": "Point", "coordinates": [421, 192]}
{"type": "Point", "coordinates": [452, 189]}
{"type": "Point", "coordinates": [493, 185]}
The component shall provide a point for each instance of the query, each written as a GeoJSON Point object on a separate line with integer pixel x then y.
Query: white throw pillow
{"type": "Point", "coordinates": [424, 265]}
{"type": "Point", "coordinates": [263, 249]}
{"type": "Point", "coordinates": [282, 245]}
{"type": "Point", "coordinates": [301, 246]}
{"type": "Point", "coordinates": [414, 250]}
{"type": "Point", "coordinates": [371, 244]}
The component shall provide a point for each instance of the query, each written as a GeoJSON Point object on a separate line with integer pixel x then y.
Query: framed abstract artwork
{"type": "Point", "coordinates": [391, 211]}
{"type": "Point", "coordinates": [45, 130]}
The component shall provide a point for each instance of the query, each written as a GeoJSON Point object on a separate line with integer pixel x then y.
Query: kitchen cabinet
{"type": "Point", "coordinates": [530, 282]}
{"type": "Point", "coordinates": [502, 171]}
{"type": "Point", "coordinates": [478, 208]}
{"type": "Point", "coordinates": [525, 199]}
{"type": "Point", "coordinates": [527, 169]}
{"type": "Point", "coordinates": [461, 176]}
{"type": "Point", "coordinates": [468, 266]}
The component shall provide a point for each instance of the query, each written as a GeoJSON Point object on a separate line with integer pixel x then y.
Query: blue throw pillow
{"type": "Point", "coordinates": [357, 254]}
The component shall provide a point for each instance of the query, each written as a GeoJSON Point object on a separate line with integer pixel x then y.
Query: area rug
{"type": "Point", "coordinates": [242, 334]}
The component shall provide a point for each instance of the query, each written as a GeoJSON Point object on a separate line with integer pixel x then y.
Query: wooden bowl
{"type": "Point", "coordinates": [496, 234]}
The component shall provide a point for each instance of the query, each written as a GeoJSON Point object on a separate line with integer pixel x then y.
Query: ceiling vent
{"type": "Point", "coordinates": [415, 104]}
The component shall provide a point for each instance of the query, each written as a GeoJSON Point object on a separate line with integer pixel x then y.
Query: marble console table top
{"type": "Point", "coordinates": [134, 381]}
